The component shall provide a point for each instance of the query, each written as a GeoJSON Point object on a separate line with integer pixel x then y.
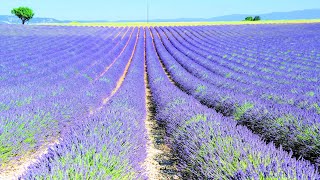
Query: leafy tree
{"type": "Point", "coordinates": [24, 13]}
{"type": "Point", "coordinates": [249, 18]}
{"type": "Point", "coordinates": [256, 18]}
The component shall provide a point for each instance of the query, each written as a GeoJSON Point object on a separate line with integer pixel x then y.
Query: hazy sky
{"type": "Point", "coordinates": [159, 9]}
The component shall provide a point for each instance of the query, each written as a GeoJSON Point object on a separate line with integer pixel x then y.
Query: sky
{"type": "Point", "coordinates": [113, 10]}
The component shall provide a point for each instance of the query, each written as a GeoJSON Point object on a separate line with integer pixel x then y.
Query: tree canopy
{"type": "Point", "coordinates": [249, 18]}
{"type": "Point", "coordinates": [24, 13]}
{"type": "Point", "coordinates": [256, 18]}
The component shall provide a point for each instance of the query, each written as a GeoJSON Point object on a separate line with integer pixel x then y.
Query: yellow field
{"type": "Point", "coordinates": [120, 24]}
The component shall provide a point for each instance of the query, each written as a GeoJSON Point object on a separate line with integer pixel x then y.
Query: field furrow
{"type": "Point", "coordinates": [171, 102]}
{"type": "Point", "coordinates": [205, 142]}
{"type": "Point", "coordinates": [281, 124]}
{"type": "Point", "coordinates": [66, 112]}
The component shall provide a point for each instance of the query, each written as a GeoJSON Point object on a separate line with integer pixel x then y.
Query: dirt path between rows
{"type": "Point", "coordinates": [160, 163]}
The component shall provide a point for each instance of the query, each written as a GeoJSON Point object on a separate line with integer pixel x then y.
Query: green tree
{"type": "Point", "coordinates": [249, 18]}
{"type": "Point", "coordinates": [24, 13]}
{"type": "Point", "coordinates": [257, 18]}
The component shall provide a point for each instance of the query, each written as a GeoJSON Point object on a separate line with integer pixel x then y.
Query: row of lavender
{"type": "Point", "coordinates": [99, 81]}
{"type": "Point", "coordinates": [274, 72]}
{"type": "Point", "coordinates": [53, 85]}
{"type": "Point", "coordinates": [209, 145]}
{"type": "Point", "coordinates": [201, 74]}
{"type": "Point", "coordinates": [22, 106]}
{"type": "Point", "coordinates": [111, 143]}
{"type": "Point", "coordinates": [252, 73]}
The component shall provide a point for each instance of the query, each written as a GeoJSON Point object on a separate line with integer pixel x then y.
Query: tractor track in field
{"type": "Point", "coordinates": [115, 59]}
{"type": "Point", "coordinates": [123, 76]}
{"type": "Point", "coordinates": [16, 168]}
{"type": "Point", "coordinates": [160, 161]}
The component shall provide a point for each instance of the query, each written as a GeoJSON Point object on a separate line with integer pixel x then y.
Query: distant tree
{"type": "Point", "coordinates": [249, 18]}
{"type": "Point", "coordinates": [256, 18]}
{"type": "Point", "coordinates": [24, 13]}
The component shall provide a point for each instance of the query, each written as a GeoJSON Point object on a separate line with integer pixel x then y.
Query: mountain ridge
{"type": "Point", "coordinates": [291, 15]}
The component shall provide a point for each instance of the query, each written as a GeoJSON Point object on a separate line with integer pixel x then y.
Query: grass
{"type": "Point", "coordinates": [122, 24]}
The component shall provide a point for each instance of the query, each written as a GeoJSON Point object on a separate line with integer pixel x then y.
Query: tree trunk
{"type": "Point", "coordinates": [24, 20]}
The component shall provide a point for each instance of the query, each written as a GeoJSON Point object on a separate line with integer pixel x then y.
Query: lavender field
{"type": "Point", "coordinates": [170, 102]}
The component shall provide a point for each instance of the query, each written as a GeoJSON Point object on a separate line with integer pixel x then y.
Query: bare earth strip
{"type": "Point", "coordinates": [151, 165]}
{"type": "Point", "coordinates": [14, 169]}
{"type": "Point", "coordinates": [160, 163]}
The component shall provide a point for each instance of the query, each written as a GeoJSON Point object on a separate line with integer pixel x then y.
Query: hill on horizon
{"type": "Point", "coordinates": [9, 19]}
{"type": "Point", "coordinates": [292, 15]}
